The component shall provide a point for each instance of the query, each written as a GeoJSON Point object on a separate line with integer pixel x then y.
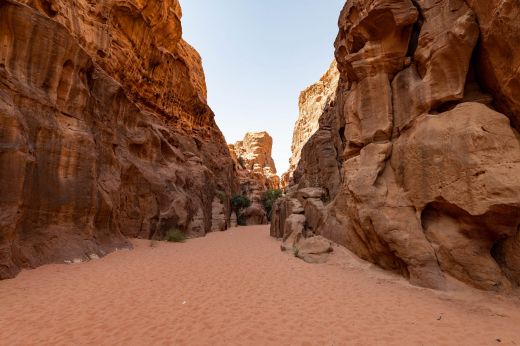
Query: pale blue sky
{"type": "Point", "coordinates": [258, 56]}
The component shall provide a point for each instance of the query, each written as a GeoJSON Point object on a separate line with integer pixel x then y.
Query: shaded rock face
{"type": "Point", "coordinates": [256, 172]}
{"type": "Point", "coordinates": [498, 57]}
{"type": "Point", "coordinates": [320, 164]}
{"type": "Point", "coordinates": [105, 131]}
{"type": "Point", "coordinates": [295, 222]}
{"type": "Point", "coordinates": [312, 103]}
{"type": "Point", "coordinates": [419, 148]}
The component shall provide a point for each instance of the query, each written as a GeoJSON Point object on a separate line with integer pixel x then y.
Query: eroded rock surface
{"type": "Point", "coordinates": [105, 131]}
{"type": "Point", "coordinates": [418, 157]}
{"type": "Point", "coordinates": [498, 57]}
{"type": "Point", "coordinates": [311, 104]}
{"type": "Point", "coordinates": [256, 172]}
{"type": "Point", "coordinates": [295, 221]}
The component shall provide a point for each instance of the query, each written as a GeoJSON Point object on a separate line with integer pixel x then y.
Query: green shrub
{"type": "Point", "coordinates": [175, 236]}
{"type": "Point", "coordinates": [240, 202]}
{"type": "Point", "coordinates": [268, 199]}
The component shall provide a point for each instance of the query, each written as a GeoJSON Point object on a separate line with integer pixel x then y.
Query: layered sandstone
{"type": "Point", "coordinates": [105, 131]}
{"type": "Point", "coordinates": [311, 104]}
{"type": "Point", "coordinates": [256, 172]}
{"type": "Point", "coordinates": [415, 166]}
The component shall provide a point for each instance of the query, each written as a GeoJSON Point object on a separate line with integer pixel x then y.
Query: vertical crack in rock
{"type": "Point", "coordinates": [416, 31]}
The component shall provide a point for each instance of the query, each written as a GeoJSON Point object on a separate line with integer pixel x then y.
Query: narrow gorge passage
{"type": "Point", "coordinates": [396, 220]}
{"type": "Point", "coordinates": [237, 288]}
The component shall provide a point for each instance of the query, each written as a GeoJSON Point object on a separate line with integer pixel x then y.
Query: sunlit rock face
{"type": "Point", "coordinates": [419, 149]}
{"type": "Point", "coordinates": [311, 105]}
{"type": "Point", "coordinates": [256, 172]}
{"type": "Point", "coordinates": [105, 132]}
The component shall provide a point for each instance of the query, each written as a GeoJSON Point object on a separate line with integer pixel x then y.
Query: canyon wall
{"type": "Point", "coordinates": [415, 165]}
{"type": "Point", "coordinates": [311, 104]}
{"type": "Point", "coordinates": [256, 172]}
{"type": "Point", "coordinates": [105, 132]}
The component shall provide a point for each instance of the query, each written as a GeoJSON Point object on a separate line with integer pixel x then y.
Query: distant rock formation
{"type": "Point", "coordinates": [105, 131]}
{"type": "Point", "coordinates": [256, 172]}
{"type": "Point", "coordinates": [415, 166]}
{"type": "Point", "coordinates": [312, 103]}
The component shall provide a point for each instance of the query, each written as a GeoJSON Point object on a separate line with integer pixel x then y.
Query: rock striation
{"type": "Point", "coordinates": [415, 164]}
{"type": "Point", "coordinates": [311, 104]}
{"type": "Point", "coordinates": [105, 132]}
{"type": "Point", "coordinates": [256, 172]}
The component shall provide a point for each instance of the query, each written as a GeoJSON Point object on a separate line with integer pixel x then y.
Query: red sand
{"type": "Point", "coordinates": [237, 288]}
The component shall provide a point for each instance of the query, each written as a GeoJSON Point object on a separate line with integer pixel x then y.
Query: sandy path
{"type": "Point", "coordinates": [237, 288]}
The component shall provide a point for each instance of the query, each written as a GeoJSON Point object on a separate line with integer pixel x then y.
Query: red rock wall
{"type": "Point", "coordinates": [256, 172]}
{"type": "Point", "coordinates": [105, 132]}
{"type": "Point", "coordinates": [498, 56]}
{"type": "Point", "coordinates": [427, 177]}
{"type": "Point", "coordinates": [311, 104]}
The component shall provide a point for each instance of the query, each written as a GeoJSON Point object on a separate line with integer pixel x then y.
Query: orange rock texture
{"type": "Point", "coordinates": [256, 172]}
{"type": "Point", "coordinates": [105, 132]}
{"type": "Point", "coordinates": [415, 165]}
{"type": "Point", "coordinates": [311, 104]}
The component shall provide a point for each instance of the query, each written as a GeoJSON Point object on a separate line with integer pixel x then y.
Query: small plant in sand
{"type": "Point", "coordinates": [296, 252]}
{"type": "Point", "coordinates": [153, 243]}
{"type": "Point", "coordinates": [175, 236]}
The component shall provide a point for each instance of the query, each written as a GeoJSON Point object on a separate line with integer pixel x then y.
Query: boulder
{"type": "Point", "coordinates": [310, 192]}
{"type": "Point", "coordinates": [314, 249]}
{"type": "Point", "coordinates": [294, 228]}
{"type": "Point", "coordinates": [282, 209]}
{"type": "Point", "coordinates": [255, 215]}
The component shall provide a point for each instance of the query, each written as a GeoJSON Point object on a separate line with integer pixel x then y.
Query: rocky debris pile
{"type": "Point", "coordinates": [256, 172]}
{"type": "Point", "coordinates": [106, 132]}
{"type": "Point", "coordinates": [418, 158]}
{"type": "Point", "coordinates": [296, 222]}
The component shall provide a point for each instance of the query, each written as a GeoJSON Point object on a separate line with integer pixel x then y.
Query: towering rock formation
{"type": "Point", "coordinates": [415, 167]}
{"type": "Point", "coordinates": [105, 132]}
{"type": "Point", "coordinates": [256, 172]}
{"type": "Point", "coordinates": [312, 103]}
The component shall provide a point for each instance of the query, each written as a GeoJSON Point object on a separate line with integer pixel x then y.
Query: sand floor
{"type": "Point", "coordinates": [237, 288]}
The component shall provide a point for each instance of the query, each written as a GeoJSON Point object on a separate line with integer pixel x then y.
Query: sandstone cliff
{"type": "Point", "coordinates": [311, 105]}
{"type": "Point", "coordinates": [105, 131]}
{"type": "Point", "coordinates": [256, 172]}
{"type": "Point", "coordinates": [415, 167]}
